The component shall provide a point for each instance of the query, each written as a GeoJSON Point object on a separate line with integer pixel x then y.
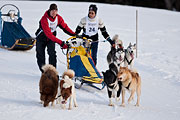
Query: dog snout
{"type": "Point", "coordinates": [63, 102]}
{"type": "Point", "coordinates": [120, 78]}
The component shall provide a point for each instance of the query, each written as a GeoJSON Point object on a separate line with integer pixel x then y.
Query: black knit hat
{"type": "Point", "coordinates": [53, 7]}
{"type": "Point", "coordinates": [93, 8]}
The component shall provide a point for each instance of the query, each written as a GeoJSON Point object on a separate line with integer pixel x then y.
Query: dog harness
{"type": "Point", "coordinates": [129, 62]}
{"type": "Point", "coordinates": [128, 86]}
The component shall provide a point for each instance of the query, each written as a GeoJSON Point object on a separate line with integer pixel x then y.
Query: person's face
{"type": "Point", "coordinates": [53, 13]}
{"type": "Point", "coordinates": [92, 14]}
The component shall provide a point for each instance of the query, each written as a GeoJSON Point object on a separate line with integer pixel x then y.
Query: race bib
{"type": "Point", "coordinates": [52, 25]}
{"type": "Point", "coordinates": [91, 27]}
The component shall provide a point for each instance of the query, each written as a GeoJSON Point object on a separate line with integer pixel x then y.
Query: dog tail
{"type": "Point", "coordinates": [47, 67]}
{"type": "Point", "coordinates": [70, 73]}
{"type": "Point", "coordinates": [134, 70]}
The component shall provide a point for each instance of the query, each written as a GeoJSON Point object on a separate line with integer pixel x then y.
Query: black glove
{"type": "Point", "coordinates": [110, 41]}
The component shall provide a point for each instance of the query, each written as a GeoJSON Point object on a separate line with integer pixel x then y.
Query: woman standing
{"type": "Point", "coordinates": [90, 25]}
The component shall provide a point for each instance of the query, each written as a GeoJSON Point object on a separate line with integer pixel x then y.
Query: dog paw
{"type": "Point", "coordinates": [122, 105]}
{"type": "Point", "coordinates": [41, 102]}
{"type": "Point", "coordinates": [117, 99]}
{"type": "Point", "coordinates": [52, 104]}
{"type": "Point", "coordinates": [111, 104]}
{"type": "Point", "coordinates": [75, 105]}
{"type": "Point", "coordinates": [70, 108]}
{"type": "Point", "coordinates": [137, 105]}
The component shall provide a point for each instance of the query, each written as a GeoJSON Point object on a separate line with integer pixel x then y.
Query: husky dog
{"type": "Point", "coordinates": [110, 78]}
{"type": "Point", "coordinates": [48, 85]}
{"type": "Point", "coordinates": [67, 90]}
{"type": "Point", "coordinates": [129, 56]}
{"type": "Point", "coordinates": [116, 54]}
{"type": "Point", "coordinates": [130, 81]}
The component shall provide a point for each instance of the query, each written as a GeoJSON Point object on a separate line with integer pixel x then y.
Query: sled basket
{"type": "Point", "coordinates": [80, 60]}
{"type": "Point", "coordinates": [13, 36]}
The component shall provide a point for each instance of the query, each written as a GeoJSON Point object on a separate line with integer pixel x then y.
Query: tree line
{"type": "Point", "coordinates": [162, 4]}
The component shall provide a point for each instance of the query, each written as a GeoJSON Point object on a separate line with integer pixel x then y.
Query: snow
{"type": "Point", "coordinates": [157, 62]}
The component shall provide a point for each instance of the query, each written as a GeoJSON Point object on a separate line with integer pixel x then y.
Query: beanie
{"type": "Point", "coordinates": [53, 7]}
{"type": "Point", "coordinates": [93, 8]}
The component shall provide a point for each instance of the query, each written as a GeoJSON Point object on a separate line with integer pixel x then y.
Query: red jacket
{"type": "Point", "coordinates": [60, 22]}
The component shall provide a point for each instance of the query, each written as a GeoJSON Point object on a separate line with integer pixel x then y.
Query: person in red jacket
{"type": "Point", "coordinates": [46, 36]}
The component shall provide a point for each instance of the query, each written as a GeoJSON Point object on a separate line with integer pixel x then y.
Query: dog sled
{"type": "Point", "coordinates": [80, 60]}
{"type": "Point", "coordinates": [13, 36]}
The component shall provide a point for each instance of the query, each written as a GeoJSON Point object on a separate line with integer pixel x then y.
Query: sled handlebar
{"type": "Point", "coordinates": [18, 11]}
{"type": "Point", "coordinates": [9, 5]}
{"type": "Point", "coordinates": [8, 14]}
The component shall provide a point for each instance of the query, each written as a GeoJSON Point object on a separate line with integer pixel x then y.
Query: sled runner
{"type": "Point", "coordinates": [13, 36]}
{"type": "Point", "coordinates": [79, 60]}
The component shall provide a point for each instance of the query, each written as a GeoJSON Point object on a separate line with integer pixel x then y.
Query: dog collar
{"type": "Point", "coordinates": [129, 62]}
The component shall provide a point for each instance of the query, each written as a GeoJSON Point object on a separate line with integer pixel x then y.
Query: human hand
{"type": "Point", "coordinates": [64, 45]}
{"type": "Point", "coordinates": [111, 42]}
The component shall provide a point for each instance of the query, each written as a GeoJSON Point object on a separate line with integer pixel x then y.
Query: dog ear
{"type": "Point", "coordinates": [61, 84]}
{"type": "Point", "coordinates": [130, 44]}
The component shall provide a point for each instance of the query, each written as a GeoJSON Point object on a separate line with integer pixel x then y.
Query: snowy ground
{"type": "Point", "coordinates": [157, 62]}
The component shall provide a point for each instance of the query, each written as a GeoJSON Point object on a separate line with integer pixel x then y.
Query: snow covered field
{"type": "Point", "coordinates": [158, 63]}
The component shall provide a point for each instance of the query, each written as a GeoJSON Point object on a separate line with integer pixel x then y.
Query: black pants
{"type": "Point", "coordinates": [94, 49]}
{"type": "Point", "coordinates": [41, 45]}
{"type": "Point", "coordinates": [94, 46]}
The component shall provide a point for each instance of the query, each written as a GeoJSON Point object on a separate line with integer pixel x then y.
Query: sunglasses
{"type": "Point", "coordinates": [92, 13]}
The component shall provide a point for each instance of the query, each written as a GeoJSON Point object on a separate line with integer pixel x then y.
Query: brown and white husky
{"type": "Point", "coordinates": [130, 81]}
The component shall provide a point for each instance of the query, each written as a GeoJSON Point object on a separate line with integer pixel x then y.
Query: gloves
{"type": "Point", "coordinates": [64, 45]}
{"type": "Point", "coordinates": [110, 41]}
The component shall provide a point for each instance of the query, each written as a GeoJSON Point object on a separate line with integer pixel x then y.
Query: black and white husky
{"type": "Point", "coordinates": [113, 85]}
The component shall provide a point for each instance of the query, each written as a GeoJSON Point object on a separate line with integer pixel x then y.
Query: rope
{"type": "Point", "coordinates": [99, 41]}
{"type": "Point", "coordinates": [57, 97]}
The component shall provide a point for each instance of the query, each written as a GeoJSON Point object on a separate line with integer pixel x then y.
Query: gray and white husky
{"type": "Point", "coordinates": [129, 56]}
{"type": "Point", "coordinates": [121, 57]}
{"type": "Point", "coordinates": [116, 54]}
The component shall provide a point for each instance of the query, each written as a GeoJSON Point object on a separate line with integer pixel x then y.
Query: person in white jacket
{"type": "Point", "coordinates": [90, 25]}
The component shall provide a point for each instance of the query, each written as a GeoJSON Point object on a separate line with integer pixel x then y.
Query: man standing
{"type": "Point", "coordinates": [46, 36]}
